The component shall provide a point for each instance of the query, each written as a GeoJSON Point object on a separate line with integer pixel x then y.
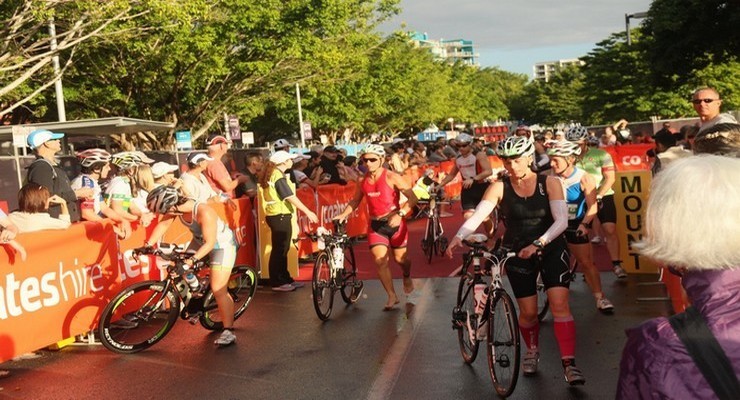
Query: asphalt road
{"type": "Point", "coordinates": [285, 352]}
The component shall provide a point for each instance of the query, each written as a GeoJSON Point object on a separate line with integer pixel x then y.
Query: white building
{"type": "Point", "coordinates": [544, 70]}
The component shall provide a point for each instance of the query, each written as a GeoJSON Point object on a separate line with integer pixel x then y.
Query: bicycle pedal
{"type": "Point", "coordinates": [193, 320]}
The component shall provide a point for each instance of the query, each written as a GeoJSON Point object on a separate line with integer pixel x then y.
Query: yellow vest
{"type": "Point", "coordinates": [269, 196]}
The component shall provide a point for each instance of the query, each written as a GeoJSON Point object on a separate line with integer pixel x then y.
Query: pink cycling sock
{"type": "Point", "coordinates": [531, 334]}
{"type": "Point", "coordinates": [565, 333]}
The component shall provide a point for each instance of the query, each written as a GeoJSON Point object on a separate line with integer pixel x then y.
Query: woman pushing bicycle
{"type": "Point", "coordinates": [211, 236]}
{"type": "Point", "coordinates": [536, 216]}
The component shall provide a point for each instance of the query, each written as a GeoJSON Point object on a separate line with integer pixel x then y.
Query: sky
{"type": "Point", "coordinates": [515, 34]}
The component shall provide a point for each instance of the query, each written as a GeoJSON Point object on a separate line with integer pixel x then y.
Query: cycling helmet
{"type": "Point", "coordinates": [280, 143]}
{"type": "Point", "coordinates": [515, 146]}
{"type": "Point", "coordinates": [464, 138]}
{"type": "Point", "coordinates": [564, 149]}
{"type": "Point", "coordinates": [161, 199]}
{"type": "Point", "coordinates": [374, 149]}
{"type": "Point", "coordinates": [91, 156]}
{"type": "Point", "coordinates": [126, 159]}
{"type": "Point", "coordinates": [576, 134]}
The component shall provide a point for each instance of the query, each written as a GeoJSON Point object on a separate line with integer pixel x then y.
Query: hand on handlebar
{"type": "Point", "coordinates": [456, 242]}
{"type": "Point", "coordinates": [528, 252]}
{"type": "Point", "coordinates": [146, 249]}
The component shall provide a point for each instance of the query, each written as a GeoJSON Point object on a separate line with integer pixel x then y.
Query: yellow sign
{"type": "Point", "coordinates": [631, 191]}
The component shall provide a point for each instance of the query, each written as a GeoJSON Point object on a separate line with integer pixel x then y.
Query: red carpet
{"type": "Point", "coordinates": [441, 266]}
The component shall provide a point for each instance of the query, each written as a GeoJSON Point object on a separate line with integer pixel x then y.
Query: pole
{"type": "Point", "coordinates": [57, 71]}
{"type": "Point", "coordinates": [300, 115]}
{"type": "Point", "coordinates": [627, 28]}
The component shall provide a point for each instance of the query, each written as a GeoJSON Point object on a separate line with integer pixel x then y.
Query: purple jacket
{"type": "Point", "coordinates": [656, 365]}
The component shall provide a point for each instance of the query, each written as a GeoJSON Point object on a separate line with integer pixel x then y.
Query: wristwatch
{"type": "Point", "coordinates": [538, 244]}
{"type": "Point", "coordinates": [401, 213]}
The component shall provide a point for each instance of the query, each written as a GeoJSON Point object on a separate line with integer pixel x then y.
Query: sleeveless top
{"type": "Point", "coordinates": [527, 218]}
{"type": "Point", "coordinates": [468, 166]}
{"type": "Point", "coordinates": [224, 235]}
{"type": "Point", "coordinates": [381, 198]}
{"type": "Point", "coordinates": [575, 197]}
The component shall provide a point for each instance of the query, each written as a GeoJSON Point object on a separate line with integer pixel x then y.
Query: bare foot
{"type": "Point", "coordinates": [391, 304]}
{"type": "Point", "coordinates": [408, 285]}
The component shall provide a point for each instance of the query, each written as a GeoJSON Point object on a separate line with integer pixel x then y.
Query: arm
{"type": "Point", "coordinates": [490, 200]}
{"type": "Point", "coordinates": [159, 230]}
{"type": "Point", "coordinates": [9, 231]}
{"type": "Point", "coordinates": [452, 175]}
{"type": "Point", "coordinates": [352, 205]}
{"type": "Point", "coordinates": [588, 185]}
{"type": "Point", "coordinates": [608, 182]}
{"type": "Point", "coordinates": [559, 211]}
{"type": "Point", "coordinates": [485, 166]}
{"type": "Point", "coordinates": [294, 200]}
{"type": "Point", "coordinates": [402, 186]}
{"type": "Point", "coordinates": [207, 218]}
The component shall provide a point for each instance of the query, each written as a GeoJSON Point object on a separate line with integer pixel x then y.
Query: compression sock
{"type": "Point", "coordinates": [565, 333]}
{"type": "Point", "coordinates": [531, 334]}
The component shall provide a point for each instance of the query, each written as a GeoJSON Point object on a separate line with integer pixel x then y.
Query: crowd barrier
{"type": "Point", "coordinates": [60, 289]}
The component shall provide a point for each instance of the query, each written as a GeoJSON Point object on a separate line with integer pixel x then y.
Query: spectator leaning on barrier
{"type": "Point", "coordinates": [95, 166]}
{"type": "Point", "coordinates": [216, 172]}
{"type": "Point", "coordinates": [194, 182]}
{"type": "Point", "coordinates": [33, 210]}
{"type": "Point", "coordinates": [119, 191]}
{"type": "Point", "coordinates": [313, 169]}
{"type": "Point", "coordinates": [435, 153]}
{"type": "Point", "coordinates": [46, 172]}
{"type": "Point", "coordinates": [253, 165]}
{"type": "Point", "coordinates": [693, 224]}
{"type": "Point", "coordinates": [666, 150]}
{"type": "Point", "coordinates": [707, 103]}
{"type": "Point", "coordinates": [281, 144]}
{"type": "Point", "coordinates": [329, 163]}
{"type": "Point", "coordinates": [8, 232]}
{"type": "Point", "coordinates": [280, 202]}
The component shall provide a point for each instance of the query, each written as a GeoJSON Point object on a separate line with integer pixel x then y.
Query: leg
{"type": "Point", "coordinates": [401, 258]}
{"type": "Point", "coordinates": [280, 231]}
{"type": "Point", "coordinates": [584, 256]}
{"type": "Point", "coordinates": [380, 256]}
{"type": "Point", "coordinates": [219, 285]}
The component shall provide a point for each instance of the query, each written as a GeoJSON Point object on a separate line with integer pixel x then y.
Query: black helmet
{"type": "Point", "coordinates": [162, 198]}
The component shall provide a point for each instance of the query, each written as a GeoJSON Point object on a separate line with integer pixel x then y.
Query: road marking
{"type": "Point", "coordinates": [390, 367]}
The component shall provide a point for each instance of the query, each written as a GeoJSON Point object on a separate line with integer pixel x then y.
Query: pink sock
{"type": "Point", "coordinates": [531, 334]}
{"type": "Point", "coordinates": [565, 333]}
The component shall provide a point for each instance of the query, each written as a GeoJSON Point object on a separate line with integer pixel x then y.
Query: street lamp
{"type": "Point", "coordinates": [452, 124]}
{"type": "Point", "coordinates": [627, 23]}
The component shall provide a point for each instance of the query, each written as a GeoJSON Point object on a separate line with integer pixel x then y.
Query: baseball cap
{"type": "Point", "coordinates": [160, 169]}
{"type": "Point", "coordinates": [280, 143]}
{"type": "Point", "coordinates": [216, 139]}
{"type": "Point", "coordinates": [299, 157]}
{"type": "Point", "coordinates": [312, 154]}
{"type": "Point", "coordinates": [41, 136]}
{"type": "Point", "coordinates": [280, 157]}
{"type": "Point", "coordinates": [144, 158]}
{"type": "Point", "coordinates": [194, 158]}
{"type": "Point", "coordinates": [330, 149]}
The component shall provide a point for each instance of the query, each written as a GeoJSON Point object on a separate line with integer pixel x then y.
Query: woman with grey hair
{"type": "Point", "coordinates": [693, 224]}
{"type": "Point", "coordinates": [721, 139]}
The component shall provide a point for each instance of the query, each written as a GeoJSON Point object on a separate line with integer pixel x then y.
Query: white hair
{"type": "Point", "coordinates": [693, 215]}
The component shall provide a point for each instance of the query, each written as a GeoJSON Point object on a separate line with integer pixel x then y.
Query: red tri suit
{"type": "Point", "coordinates": [382, 200]}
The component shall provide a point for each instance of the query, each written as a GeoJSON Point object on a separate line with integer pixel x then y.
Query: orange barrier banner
{"type": "Point", "coordinates": [61, 288]}
{"type": "Point", "coordinates": [454, 187]}
{"type": "Point", "coordinates": [307, 196]}
{"type": "Point", "coordinates": [333, 199]}
{"type": "Point", "coordinates": [630, 157]}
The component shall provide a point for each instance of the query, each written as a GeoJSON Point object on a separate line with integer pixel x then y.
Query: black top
{"type": "Point", "coordinates": [330, 167]}
{"type": "Point", "coordinates": [53, 177]}
{"type": "Point", "coordinates": [527, 218]}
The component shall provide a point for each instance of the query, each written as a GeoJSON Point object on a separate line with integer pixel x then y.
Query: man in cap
{"type": "Point", "coordinates": [281, 144]}
{"type": "Point", "coordinates": [216, 172]}
{"type": "Point", "coordinates": [194, 181]}
{"type": "Point", "coordinates": [46, 172]}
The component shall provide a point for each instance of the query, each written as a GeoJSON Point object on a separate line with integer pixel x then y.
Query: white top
{"type": "Point", "coordinates": [83, 181]}
{"type": "Point", "coordinates": [466, 165]}
{"type": "Point", "coordinates": [197, 186]}
{"type": "Point", "coordinates": [32, 222]}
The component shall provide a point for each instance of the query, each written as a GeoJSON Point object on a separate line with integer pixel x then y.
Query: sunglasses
{"type": "Point", "coordinates": [463, 145]}
{"type": "Point", "coordinates": [699, 101]}
{"type": "Point", "coordinates": [370, 160]}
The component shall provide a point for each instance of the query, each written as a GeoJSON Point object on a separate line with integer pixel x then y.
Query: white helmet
{"type": "Point", "coordinates": [576, 134]}
{"type": "Point", "coordinates": [91, 156]}
{"type": "Point", "coordinates": [564, 149]}
{"type": "Point", "coordinates": [280, 143]}
{"type": "Point", "coordinates": [515, 146]}
{"type": "Point", "coordinates": [126, 159]}
{"type": "Point", "coordinates": [464, 138]}
{"type": "Point", "coordinates": [374, 149]}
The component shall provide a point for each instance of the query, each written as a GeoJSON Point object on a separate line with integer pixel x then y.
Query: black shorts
{"type": "Point", "coordinates": [470, 197]}
{"type": "Point", "coordinates": [571, 233]}
{"type": "Point", "coordinates": [607, 210]}
{"type": "Point", "coordinates": [553, 266]}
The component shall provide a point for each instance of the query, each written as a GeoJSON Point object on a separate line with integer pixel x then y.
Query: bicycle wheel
{"type": "Point", "coordinates": [138, 317]}
{"type": "Point", "coordinates": [464, 319]}
{"type": "Point", "coordinates": [351, 287]}
{"type": "Point", "coordinates": [503, 343]}
{"type": "Point", "coordinates": [322, 286]}
{"type": "Point", "coordinates": [241, 287]}
{"type": "Point", "coordinates": [543, 305]}
{"type": "Point", "coordinates": [427, 244]}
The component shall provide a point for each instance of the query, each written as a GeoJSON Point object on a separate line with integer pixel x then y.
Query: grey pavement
{"type": "Point", "coordinates": [284, 351]}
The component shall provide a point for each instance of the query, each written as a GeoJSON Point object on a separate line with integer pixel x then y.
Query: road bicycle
{"type": "Point", "coordinates": [142, 314]}
{"type": "Point", "coordinates": [334, 270]}
{"type": "Point", "coordinates": [485, 311]}
{"type": "Point", "coordinates": [434, 241]}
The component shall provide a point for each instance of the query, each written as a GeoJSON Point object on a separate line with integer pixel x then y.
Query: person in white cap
{"type": "Point", "coordinates": [277, 193]}
{"type": "Point", "coordinates": [216, 173]}
{"type": "Point", "coordinates": [193, 180]}
{"type": "Point", "coordinates": [163, 173]}
{"type": "Point", "coordinates": [281, 144]}
{"type": "Point", "coordinates": [46, 172]}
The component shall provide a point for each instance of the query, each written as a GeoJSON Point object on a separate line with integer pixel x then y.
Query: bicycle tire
{"type": "Point", "coordinates": [241, 287]}
{"type": "Point", "coordinates": [427, 243]}
{"type": "Point", "coordinates": [351, 287]}
{"type": "Point", "coordinates": [465, 319]}
{"type": "Point", "coordinates": [138, 317]}
{"type": "Point", "coordinates": [543, 304]}
{"type": "Point", "coordinates": [322, 286]}
{"type": "Point", "coordinates": [503, 343]}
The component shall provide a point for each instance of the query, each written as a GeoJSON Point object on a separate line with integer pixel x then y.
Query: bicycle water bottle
{"type": "Point", "coordinates": [192, 281]}
{"type": "Point", "coordinates": [337, 254]}
{"type": "Point", "coordinates": [479, 291]}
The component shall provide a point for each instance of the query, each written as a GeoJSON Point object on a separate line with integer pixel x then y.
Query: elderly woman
{"type": "Point", "coordinates": [693, 224]}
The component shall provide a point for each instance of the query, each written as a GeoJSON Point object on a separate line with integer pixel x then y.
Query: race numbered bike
{"type": "Point", "coordinates": [485, 312]}
{"type": "Point", "coordinates": [434, 241]}
{"type": "Point", "coordinates": [142, 314]}
{"type": "Point", "coordinates": [335, 270]}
